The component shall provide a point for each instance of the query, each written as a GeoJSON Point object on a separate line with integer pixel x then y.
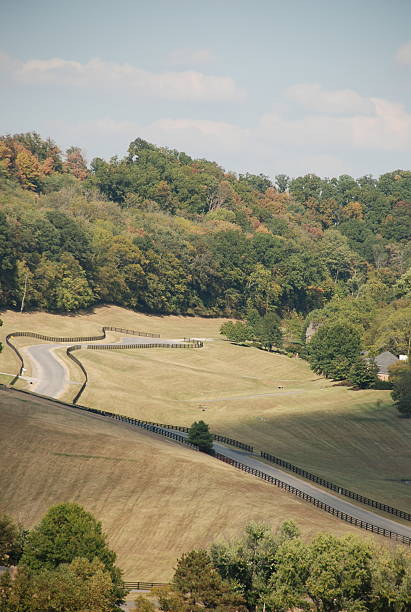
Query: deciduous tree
{"type": "Point", "coordinates": [333, 350]}
{"type": "Point", "coordinates": [68, 531]}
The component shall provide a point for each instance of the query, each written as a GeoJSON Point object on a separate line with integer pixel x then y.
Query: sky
{"type": "Point", "coordinates": [290, 86]}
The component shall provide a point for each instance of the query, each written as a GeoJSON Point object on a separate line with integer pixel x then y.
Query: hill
{"type": "Point", "coordinates": [354, 438]}
{"type": "Point", "coordinates": [156, 499]}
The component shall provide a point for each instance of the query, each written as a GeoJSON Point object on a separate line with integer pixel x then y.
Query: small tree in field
{"type": "Point", "coordinates": [200, 436]}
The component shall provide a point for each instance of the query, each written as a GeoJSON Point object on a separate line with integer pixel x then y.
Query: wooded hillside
{"type": "Point", "coordinates": [161, 232]}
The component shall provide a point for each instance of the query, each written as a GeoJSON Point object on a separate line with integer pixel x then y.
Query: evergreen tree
{"type": "Point", "coordinates": [199, 435]}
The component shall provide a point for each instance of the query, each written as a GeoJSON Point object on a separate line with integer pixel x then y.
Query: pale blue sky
{"type": "Point", "coordinates": [299, 86]}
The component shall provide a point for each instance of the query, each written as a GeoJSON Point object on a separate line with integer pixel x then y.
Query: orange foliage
{"type": "Point", "coordinates": [353, 210]}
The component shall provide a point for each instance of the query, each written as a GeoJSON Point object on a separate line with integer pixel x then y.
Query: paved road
{"type": "Point", "coordinates": [51, 376]}
{"type": "Point", "coordinates": [50, 373]}
{"type": "Point", "coordinates": [334, 501]}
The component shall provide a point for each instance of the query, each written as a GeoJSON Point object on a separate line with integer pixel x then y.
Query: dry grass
{"type": "Point", "coordinates": [352, 437]}
{"type": "Point", "coordinates": [156, 499]}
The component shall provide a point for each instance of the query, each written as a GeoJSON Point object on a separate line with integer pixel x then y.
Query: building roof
{"type": "Point", "coordinates": [384, 361]}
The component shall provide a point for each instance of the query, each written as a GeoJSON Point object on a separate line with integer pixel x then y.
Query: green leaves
{"type": "Point", "coordinates": [199, 435]}
{"type": "Point", "coordinates": [333, 350]}
{"type": "Point", "coordinates": [66, 532]}
{"type": "Point", "coordinates": [400, 376]}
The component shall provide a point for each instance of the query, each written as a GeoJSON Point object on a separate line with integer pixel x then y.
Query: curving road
{"type": "Point", "coordinates": [51, 375]}
{"type": "Point", "coordinates": [52, 378]}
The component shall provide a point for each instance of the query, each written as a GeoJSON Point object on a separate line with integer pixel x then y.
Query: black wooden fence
{"type": "Point", "coordinates": [316, 502]}
{"type": "Point", "coordinates": [130, 421]}
{"type": "Point", "coordinates": [105, 347]}
{"type": "Point", "coordinates": [140, 585]}
{"type": "Point", "coordinates": [334, 487]}
{"type": "Point", "coordinates": [70, 349]}
{"type": "Point", "coordinates": [216, 437]}
{"type": "Point", "coordinates": [105, 328]}
{"type": "Point", "coordinates": [255, 472]}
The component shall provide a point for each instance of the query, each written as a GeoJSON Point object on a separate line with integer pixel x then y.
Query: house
{"type": "Point", "coordinates": [383, 361]}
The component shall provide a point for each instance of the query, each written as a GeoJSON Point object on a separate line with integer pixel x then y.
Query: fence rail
{"type": "Point", "coordinates": [316, 502]}
{"type": "Point", "coordinates": [216, 437]}
{"type": "Point", "coordinates": [140, 585]}
{"type": "Point", "coordinates": [70, 349]}
{"type": "Point", "coordinates": [334, 487]}
{"type": "Point", "coordinates": [160, 430]}
{"type": "Point", "coordinates": [145, 345]}
{"type": "Point", "coordinates": [153, 428]}
{"type": "Point", "coordinates": [102, 336]}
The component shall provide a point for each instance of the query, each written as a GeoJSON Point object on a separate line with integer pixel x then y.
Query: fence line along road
{"type": "Point", "coordinates": [185, 344]}
{"type": "Point", "coordinates": [334, 487]}
{"type": "Point", "coordinates": [316, 502]}
{"type": "Point", "coordinates": [102, 336]}
{"type": "Point", "coordinates": [216, 437]}
{"type": "Point", "coordinates": [250, 470]}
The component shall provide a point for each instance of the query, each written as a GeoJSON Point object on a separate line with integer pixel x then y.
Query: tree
{"type": "Point", "coordinates": [282, 182]}
{"type": "Point", "coordinates": [363, 374]}
{"type": "Point", "coordinates": [8, 264]}
{"type": "Point", "coordinates": [333, 350]}
{"type": "Point", "coordinates": [339, 576]}
{"type": "Point", "coordinates": [394, 331]}
{"type": "Point", "coordinates": [75, 163]}
{"type": "Point", "coordinates": [250, 561]}
{"type": "Point", "coordinates": [12, 537]}
{"type": "Point", "coordinates": [198, 585]}
{"type": "Point", "coordinates": [236, 332]}
{"type": "Point", "coordinates": [400, 376]}
{"type": "Point", "coordinates": [264, 292]}
{"type": "Point", "coordinates": [391, 580]}
{"type": "Point", "coordinates": [267, 331]}
{"type": "Point", "coordinates": [68, 531]}
{"type": "Point", "coordinates": [29, 170]}
{"type": "Point", "coordinates": [81, 586]}
{"type": "Point", "coordinates": [199, 435]}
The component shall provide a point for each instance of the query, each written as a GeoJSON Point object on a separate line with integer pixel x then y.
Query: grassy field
{"type": "Point", "coordinates": [354, 438]}
{"type": "Point", "coordinates": [156, 499]}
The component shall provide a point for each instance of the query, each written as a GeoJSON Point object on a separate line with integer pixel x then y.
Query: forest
{"type": "Point", "coordinates": [160, 232]}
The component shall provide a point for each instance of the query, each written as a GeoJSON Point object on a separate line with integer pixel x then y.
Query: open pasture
{"type": "Point", "coordinates": [354, 438]}
{"type": "Point", "coordinates": [156, 499]}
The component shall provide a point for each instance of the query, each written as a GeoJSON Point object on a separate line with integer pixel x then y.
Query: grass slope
{"type": "Point", "coordinates": [156, 499]}
{"type": "Point", "coordinates": [354, 438]}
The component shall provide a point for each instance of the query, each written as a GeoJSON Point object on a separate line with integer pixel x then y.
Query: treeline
{"type": "Point", "coordinates": [281, 572]}
{"type": "Point", "coordinates": [64, 563]}
{"type": "Point", "coordinates": [161, 232]}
